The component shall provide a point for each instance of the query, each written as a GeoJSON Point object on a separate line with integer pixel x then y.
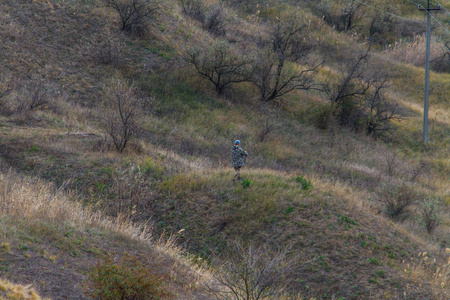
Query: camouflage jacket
{"type": "Point", "coordinates": [237, 156]}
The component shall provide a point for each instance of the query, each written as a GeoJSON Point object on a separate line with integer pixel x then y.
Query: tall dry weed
{"type": "Point", "coordinates": [413, 52]}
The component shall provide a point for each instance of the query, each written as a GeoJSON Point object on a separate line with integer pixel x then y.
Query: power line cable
{"type": "Point", "coordinates": [435, 3]}
{"type": "Point", "coordinates": [425, 1]}
{"type": "Point", "coordinates": [420, 5]}
{"type": "Point", "coordinates": [389, 13]}
{"type": "Point", "coordinates": [437, 21]}
{"type": "Point", "coordinates": [445, 10]}
{"type": "Point", "coordinates": [445, 28]}
{"type": "Point", "coordinates": [414, 2]}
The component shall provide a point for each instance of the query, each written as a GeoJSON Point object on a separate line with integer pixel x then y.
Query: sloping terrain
{"type": "Point", "coordinates": [314, 187]}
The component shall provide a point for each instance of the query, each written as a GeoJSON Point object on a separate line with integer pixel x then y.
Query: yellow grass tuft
{"type": "Point", "coordinates": [17, 292]}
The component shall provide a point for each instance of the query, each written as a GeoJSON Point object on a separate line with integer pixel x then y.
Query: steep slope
{"type": "Point", "coordinates": [315, 193]}
{"type": "Point", "coordinates": [54, 244]}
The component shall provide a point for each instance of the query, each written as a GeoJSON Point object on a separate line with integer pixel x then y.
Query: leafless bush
{"type": "Point", "coordinates": [220, 64]}
{"type": "Point", "coordinates": [442, 62]}
{"type": "Point", "coordinates": [121, 114]}
{"type": "Point", "coordinates": [344, 15]}
{"type": "Point", "coordinates": [126, 196]}
{"type": "Point", "coordinates": [321, 115]}
{"type": "Point", "coordinates": [108, 49]}
{"type": "Point", "coordinates": [429, 213]}
{"type": "Point", "coordinates": [265, 123]}
{"type": "Point", "coordinates": [36, 95]}
{"type": "Point", "coordinates": [380, 24]}
{"type": "Point", "coordinates": [418, 170]}
{"type": "Point", "coordinates": [275, 71]}
{"type": "Point", "coordinates": [391, 162]}
{"type": "Point", "coordinates": [251, 274]}
{"type": "Point", "coordinates": [7, 86]}
{"type": "Point", "coordinates": [379, 110]}
{"type": "Point", "coordinates": [194, 9]}
{"type": "Point", "coordinates": [215, 20]}
{"type": "Point", "coordinates": [359, 97]}
{"type": "Point", "coordinates": [397, 200]}
{"type": "Point", "coordinates": [135, 15]}
{"type": "Point", "coordinates": [103, 145]}
{"type": "Point", "coordinates": [265, 128]}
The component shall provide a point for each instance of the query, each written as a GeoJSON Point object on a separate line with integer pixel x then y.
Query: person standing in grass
{"type": "Point", "coordinates": [237, 159]}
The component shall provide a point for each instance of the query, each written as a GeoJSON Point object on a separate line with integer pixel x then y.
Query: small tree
{"type": "Point", "coordinates": [276, 71]}
{"type": "Point", "coordinates": [135, 15]}
{"type": "Point", "coordinates": [221, 64]}
{"type": "Point", "coordinates": [251, 274]}
{"type": "Point", "coordinates": [119, 117]}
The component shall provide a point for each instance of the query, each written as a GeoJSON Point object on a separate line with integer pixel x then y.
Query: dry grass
{"type": "Point", "coordinates": [187, 133]}
{"type": "Point", "coordinates": [9, 291]}
{"type": "Point", "coordinates": [33, 200]}
{"type": "Point", "coordinates": [413, 52]}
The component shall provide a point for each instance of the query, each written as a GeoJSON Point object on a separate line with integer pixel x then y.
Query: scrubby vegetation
{"type": "Point", "coordinates": [116, 123]}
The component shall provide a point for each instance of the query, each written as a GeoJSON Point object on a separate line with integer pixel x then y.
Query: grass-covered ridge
{"type": "Point", "coordinates": [315, 188]}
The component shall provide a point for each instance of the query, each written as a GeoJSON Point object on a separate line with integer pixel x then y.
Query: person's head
{"type": "Point", "coordinates": [237, 142]}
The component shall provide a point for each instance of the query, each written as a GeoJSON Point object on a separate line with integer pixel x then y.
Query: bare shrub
{"type": "Point", "coordinates": [397, 200]}
{"type": "Point", "coordinates": [121, 113]}
{"type": "Point", "coordinates": [379, 26]}
{"type": "Point", "coordinates": [265, 123]}
{"type": "Point", "coordinates": [429, 213]}
{"type": "Point", "coordinates": [38, 96]}
{"type": "Point", "coordinates": [127, 195]}
{"type": "Point", "coordinates": [220, 64]}
{"type": "Point", "coordinates": [35, 95]}
{"type": "Point", "coordinates": [194, 9]}
{"type": "Point", "coordinates": [359, 98]}
{"type": "Point", "coordinates": [215, 20]}
{"type": "Point", "coordinates": [343, 15]}
{"type": "Point", "coordinates": [320, 115]}
{"type": "Point", "coordinates": [135, 15]}
{"type": "Point", "coordinates": [276, 71]}
{"type": "Point", "coordinates": [391, 162]}
{"type": "Point", "coordinates": [266, 127]}
{"type": "Point", "coordinates": [379, 111]}
{"type": "Point", "coordinates": [103, 145]}
{"type": "Point", "coordinates": [442, 62]}
{"type": "Point", "coordinates": [7, 86]}
{"type": "Point", "coordinates": [107, 48]}
{"type": "Point", "coordinates": [251, 274]}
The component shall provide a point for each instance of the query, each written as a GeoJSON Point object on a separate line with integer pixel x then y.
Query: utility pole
{"type": "Point", "coordinates": [427, 70]}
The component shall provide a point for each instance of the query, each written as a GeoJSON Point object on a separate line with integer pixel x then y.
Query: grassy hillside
{"type": "Point", "coordinates": [316, 189]}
